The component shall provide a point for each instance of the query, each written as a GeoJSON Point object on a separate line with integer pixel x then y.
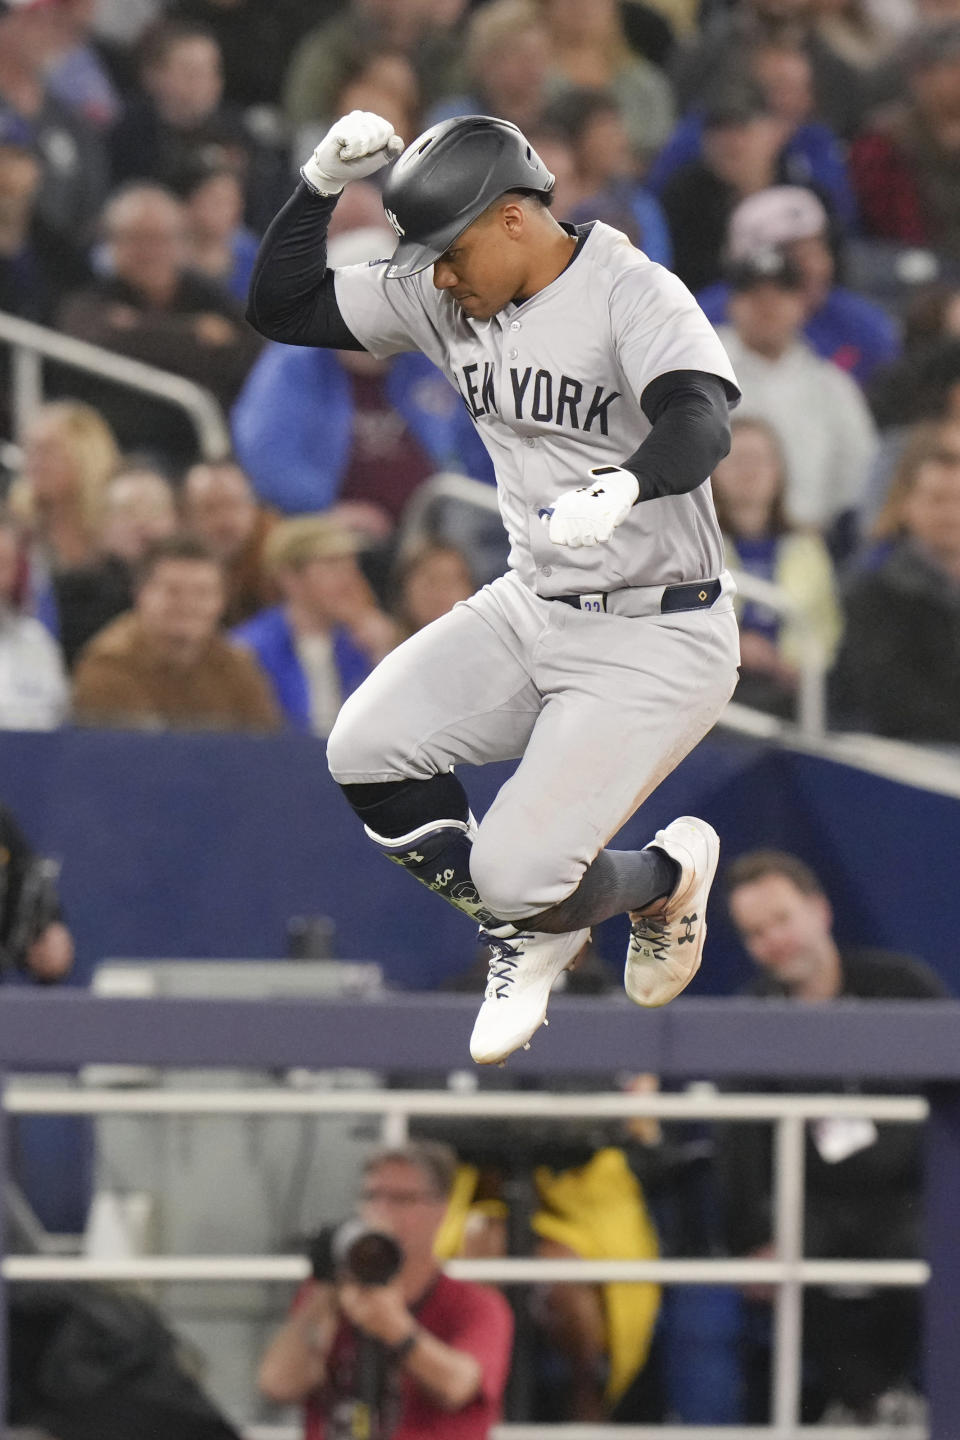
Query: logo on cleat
{"type": "Point", "coordinates": [689, 921]}
{"type": "Point", "coordinates": [414, 858]}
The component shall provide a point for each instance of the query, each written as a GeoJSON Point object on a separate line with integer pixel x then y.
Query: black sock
{"type": "Point", "coordinates": [395, 807]}
{"type": "Point", "coordinates": [618, 880]}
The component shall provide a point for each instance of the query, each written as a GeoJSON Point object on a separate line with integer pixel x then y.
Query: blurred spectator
{"type": "Point", "coordinates": [433, 1351]}
{"type": "Point", "coordinates": [382, 81]}
{"type": "Point", "coordinates": [429, 579]}
{"type": "Point", "coordinates": [840, 325]}
{"type": "Point", "coordinates": [919, 385]}
{"type": "Point", "coordinates": [34, 694]}
{"type": "Point", "coordinates": [605, 171]}
{"type": "Point", "coordinates": [165, 664]}
{"type": "Point", "coordinates": [122, 22]}
{"type": "Point", "coordinates": [858, 1347]}
{"type": "Point", "coordinates": [840, 90]}
{"type": "Point", "coordinates": [556, 152]}
{"type": "Point", "coordinates": [78, 77]}
{"type": "Point", "coordinates": [33, 936]}
{"type": "Point", "coordinates": [220, 507]}
{"type": "Point", "coordinates": [427, 34]}
{"type": "Point", "coordinates": [749, 489]}
{"type": "Point", "coordinates": [588, 47]}
{"type": "Point", "coordinates": [649, 29]}
{"type": "Point", "coordinates": [904, 164]}
{"type": "Point", "coordinates": [137, 509]}
{"type": "Point", "coordinates": [256, 39]}
{"type": "Point", "coordinates": [218, 244]}
{"type": "Point", "coordinates": [811, 155]}
{"type": "Point", "coordinates": [69, 454]}
{"type": "Point", "coordinates": [507, 61]}
{"type": "Point", "coordinates": [38, 265]}
{"type": "Point", "coordinates": [151, 307]}
{"type": "Point", "coordinates": [74, 179]}
{"type": "Point", "coordinates": [860, 33]}
{"type": "Point", "coordinates": [742, 141]}
{"type": "Point", "coordinates": [180, 114]}
{"type": "Point", "coordinates": [785, 383]}
{"type": "Point", "coordinates": [371, 430]}
{"type": "Point", "coordinates": [328, 633]}
{"type": "Point", "coordinates": [898, 672]}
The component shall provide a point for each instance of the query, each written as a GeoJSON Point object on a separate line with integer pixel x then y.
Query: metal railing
{"type": "Point", "coordinates": [31, 344]}
{"type": "Point", "coordinates": [788, 1271]}
{"type": "Point", "coordinates": [811, 689]}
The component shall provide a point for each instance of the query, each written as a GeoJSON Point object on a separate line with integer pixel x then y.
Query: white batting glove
{"type": "Point", "coordinates": [355, 147]}
{"type": "Point", "coordinates": [590, 515]}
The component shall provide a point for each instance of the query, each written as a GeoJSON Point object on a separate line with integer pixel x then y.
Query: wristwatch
{"type": "Point", "coordinates": [399, 1353]}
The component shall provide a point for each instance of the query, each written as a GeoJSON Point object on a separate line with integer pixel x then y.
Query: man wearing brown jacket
{"type": "Point", "coordinates": [164, 663]}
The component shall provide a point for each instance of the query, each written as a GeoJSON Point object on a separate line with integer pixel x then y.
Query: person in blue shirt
{"type": "Point", "coordinates": [315, 427]}
{"type": "Point", "coordinates": [841, 326]}
{"type": "Point", "coordinates": [327, 633]}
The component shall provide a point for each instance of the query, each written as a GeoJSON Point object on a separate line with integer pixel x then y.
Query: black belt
{"type": "Point", "coordinates": [694, 595]}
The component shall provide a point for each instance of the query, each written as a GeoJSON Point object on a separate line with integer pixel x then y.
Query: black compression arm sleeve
{"type": "Point", "coordinates": [292, 296]}
{"type": "Point", "coordinates": [689, 413]}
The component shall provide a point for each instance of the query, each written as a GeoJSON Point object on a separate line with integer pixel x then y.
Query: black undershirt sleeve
{"type": "Point", "coordinates": [291, 296]}
{"type": "Point", "coordinates": [689, 411]}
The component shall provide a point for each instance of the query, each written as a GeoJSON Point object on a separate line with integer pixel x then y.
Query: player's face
{"type": "Point", "coordinates": [784, 931]}
{"type": "Point", "coordinates": [483, 269]}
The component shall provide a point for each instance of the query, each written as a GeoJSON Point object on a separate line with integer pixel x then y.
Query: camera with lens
{"type": "Point", "coordinates": [354, 1251]}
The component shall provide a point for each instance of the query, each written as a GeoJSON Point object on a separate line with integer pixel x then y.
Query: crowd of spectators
{"type": "Point", "coordinates": [794, 161]}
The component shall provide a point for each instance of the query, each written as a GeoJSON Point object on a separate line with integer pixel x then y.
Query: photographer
{"type": "Point", "coordinates": [416, 1357]}
{"type": "Point", "coordinates": [33, 938]}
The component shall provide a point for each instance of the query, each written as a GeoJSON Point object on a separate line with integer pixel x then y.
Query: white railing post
{"type": "Point", "coordinates": [26, 387]}
{"type": "Point", "coordinates": [788, 1307]}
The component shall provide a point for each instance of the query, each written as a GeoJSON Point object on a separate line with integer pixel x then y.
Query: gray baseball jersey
{"type": "Point", "coordinates": [554, 387]}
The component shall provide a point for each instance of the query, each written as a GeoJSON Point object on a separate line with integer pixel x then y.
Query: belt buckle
{"type": "Point", "coordinates": [596, 603]}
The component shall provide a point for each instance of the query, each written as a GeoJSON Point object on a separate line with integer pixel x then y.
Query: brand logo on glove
{"type": "Point", "coordinates": [395, 223]}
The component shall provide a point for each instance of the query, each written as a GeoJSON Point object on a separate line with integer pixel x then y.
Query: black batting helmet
{"type": "Point", "coordinates": [448, 177]}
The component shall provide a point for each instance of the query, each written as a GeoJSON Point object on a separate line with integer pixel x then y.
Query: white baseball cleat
{"type": "Point", "coordinates": [521, 974]}
{"type": "Point", "coordinates": [666, 938]}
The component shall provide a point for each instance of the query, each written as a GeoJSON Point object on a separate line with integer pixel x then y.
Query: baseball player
{"type": "Point", "coordinates": [610, 646]}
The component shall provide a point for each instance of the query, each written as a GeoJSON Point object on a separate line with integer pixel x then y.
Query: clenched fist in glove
{"type": "Point", "coordinates": [590, 515]}
{"type": "Point", "coordinates": [356, 146]}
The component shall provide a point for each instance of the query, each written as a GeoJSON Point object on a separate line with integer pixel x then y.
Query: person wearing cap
{"type": "Point", "coordinates": [328, 632]}
{"type": "Point", "coordinates": [374, 430]}
{"type": "Point", "coordinates": [839, 325]}
{"type": "Point", "coordinates": [785, 383]}
{"type": "Point", "coordinates": [904, 163]}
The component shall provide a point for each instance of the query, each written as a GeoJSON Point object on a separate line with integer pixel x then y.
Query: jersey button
{"type": "Point", "coordinates": [514, 324]}
{"type": "Point", "coordinates": [514, 354]}
{"type": "Point", "coordinates": [530, 442]}
{"type": "Point", "coordinates": [545, 570]}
